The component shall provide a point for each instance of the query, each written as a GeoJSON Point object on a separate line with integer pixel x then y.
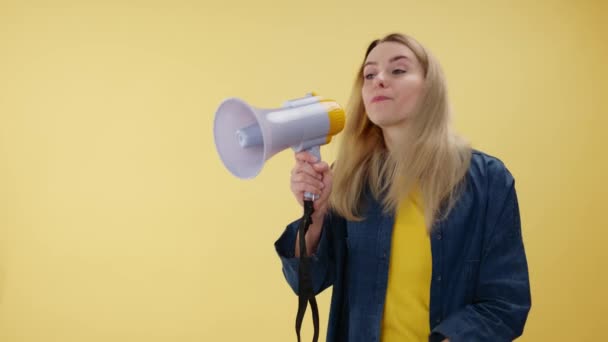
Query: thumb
{"type": "Point", "coordinates": [320, 167]}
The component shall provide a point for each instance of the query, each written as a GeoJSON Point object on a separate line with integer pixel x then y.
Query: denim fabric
{"type": "Point", "coordinates": [480, 288]}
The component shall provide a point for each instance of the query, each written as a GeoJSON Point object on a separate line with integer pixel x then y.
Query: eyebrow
{"type": "Point", "coordinates": [396, 58]}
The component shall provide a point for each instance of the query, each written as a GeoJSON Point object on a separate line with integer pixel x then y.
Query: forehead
{"type": "Point", "coordinates": [384, 51]}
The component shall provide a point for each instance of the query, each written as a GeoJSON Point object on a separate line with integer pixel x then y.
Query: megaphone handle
{"type": "Point", "coordinates": [315, 151]}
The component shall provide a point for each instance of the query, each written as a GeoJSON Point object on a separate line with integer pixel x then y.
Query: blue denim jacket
{"type": "Point", "coordinates": [480, 288]}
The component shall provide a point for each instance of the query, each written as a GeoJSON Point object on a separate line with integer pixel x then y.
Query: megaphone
{"type": "Point", "coordinates": [246, 136]}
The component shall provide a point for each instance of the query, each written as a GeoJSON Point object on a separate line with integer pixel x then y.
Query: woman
{"type": "Point", "coordinates": [418, 234]}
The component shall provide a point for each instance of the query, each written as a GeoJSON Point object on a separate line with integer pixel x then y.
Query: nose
{"type": "Point", "coordinates": [379, 80]}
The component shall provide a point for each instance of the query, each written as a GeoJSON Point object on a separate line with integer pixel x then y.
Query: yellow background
{"type": "Point", "coordinates": [119, 223]}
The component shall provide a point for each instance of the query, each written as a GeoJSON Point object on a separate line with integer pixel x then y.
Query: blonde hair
{"type": "Point", "coordinates": [432, 158]}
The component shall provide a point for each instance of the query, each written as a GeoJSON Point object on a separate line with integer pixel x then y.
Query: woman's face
{"type": "Point", "coordinates": [392, 83]}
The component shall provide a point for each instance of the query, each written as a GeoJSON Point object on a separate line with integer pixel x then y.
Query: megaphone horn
{"type": "Point", "coordinates": [246, 136]}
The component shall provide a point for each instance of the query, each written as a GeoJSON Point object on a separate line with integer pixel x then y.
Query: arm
{"type": "Point", "coordinates": [312, 235]}
{"type": "Point", "coordinates": [502, 300]}
{"type": "Point", "coordinates": [323, 265]}
{"type": "Point", "coordinates": [308, 175]}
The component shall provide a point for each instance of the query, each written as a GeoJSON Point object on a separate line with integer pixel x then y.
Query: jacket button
{"type": "Point", "coordinates": [438, 278]}
{"type": "Point", "coordinates": [439, 236]}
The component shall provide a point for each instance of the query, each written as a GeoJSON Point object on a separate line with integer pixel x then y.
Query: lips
{"type": "Point", "coordinates": [380, 98]}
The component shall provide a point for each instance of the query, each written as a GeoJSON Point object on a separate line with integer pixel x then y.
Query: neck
{"type": "Point", "coordinates": [393, 136]}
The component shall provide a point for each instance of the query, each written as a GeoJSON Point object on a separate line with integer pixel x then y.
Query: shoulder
{"type": "Point", "coordinates": [489, 171]}
{"type": "Point", "coordinates": [488, 184]}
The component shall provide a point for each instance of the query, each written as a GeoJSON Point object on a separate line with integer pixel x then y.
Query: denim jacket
{"type": "Point", "coordinates": [479, 290]}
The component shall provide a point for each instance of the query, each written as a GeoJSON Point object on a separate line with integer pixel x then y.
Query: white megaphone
{"type": "Point", "coordinates": [246, 137]}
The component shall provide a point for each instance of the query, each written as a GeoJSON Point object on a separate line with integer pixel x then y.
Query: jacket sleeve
{"type": "Point", "coordinates": [502, 299]}
{"type": "Point", "coordinates": [323, 265]}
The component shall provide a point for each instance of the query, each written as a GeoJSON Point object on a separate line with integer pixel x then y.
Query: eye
{"type": "Point", "coordinates": [369, 76]}
{"type": "Point", "coordinates": [399, 71]}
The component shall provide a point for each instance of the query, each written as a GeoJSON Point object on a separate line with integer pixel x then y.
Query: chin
{"type": "Point", "coordinates": [382, 119]}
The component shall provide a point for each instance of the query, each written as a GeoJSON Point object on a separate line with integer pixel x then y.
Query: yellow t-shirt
{"type": "Point", "coordinates": [406, 310]}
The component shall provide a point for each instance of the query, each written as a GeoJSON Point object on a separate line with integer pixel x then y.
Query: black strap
{"type": "Point", "coordinates": [306, 293]}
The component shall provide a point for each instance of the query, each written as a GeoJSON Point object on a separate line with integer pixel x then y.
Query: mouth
{"type": "Point", "coordinates": [380, 99]}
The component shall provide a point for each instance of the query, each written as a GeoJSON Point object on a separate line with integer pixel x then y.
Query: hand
{"type": "Point", "coordinates": [308, 175]}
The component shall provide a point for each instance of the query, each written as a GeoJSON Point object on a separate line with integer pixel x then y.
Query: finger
{"type": "Point", "coordinates": [327, 181]}
{"type": "Point", "coordinates": [304, 178]}
{"type": "Point", "coordinates": [320, 167]}
{"type": "Point", "coordinates": [305, 187]}
{"type": "Point", "coordinates": [305, 156]}
{"type": "Point", "coordinates": [324, 197]}
{"type": "Point", "coordinates": [304, 167]}
{"type": "Point", "coordinates": [327, 178]}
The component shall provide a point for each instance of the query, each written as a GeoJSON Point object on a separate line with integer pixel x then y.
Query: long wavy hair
{"type": "Point", "coordinates": [431, 159]}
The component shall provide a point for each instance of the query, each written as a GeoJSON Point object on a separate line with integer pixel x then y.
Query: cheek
{"type": "Point", "coordinates": [410, 93]}
{"type": "Point", "coordinates": [366, 100]}
{"type": "Point", "coordinates": [364, 94]}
